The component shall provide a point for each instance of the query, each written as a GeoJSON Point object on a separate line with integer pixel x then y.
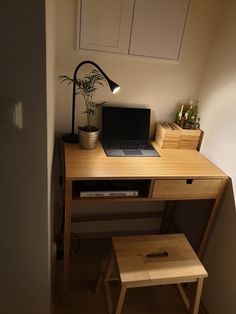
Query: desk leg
{"type": "Point", "coordinates": [167, 216]}
{"type": "Point", "coordinates": [66, 237]}
{"type": "Point", "coordinates": [211, 220]}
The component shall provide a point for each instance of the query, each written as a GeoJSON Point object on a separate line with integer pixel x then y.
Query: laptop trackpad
{"type": "Point", "coordinates": [129, 152]}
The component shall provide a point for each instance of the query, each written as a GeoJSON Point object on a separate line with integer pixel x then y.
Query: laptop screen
{"type": "Point", "coordinates": [125, 124]}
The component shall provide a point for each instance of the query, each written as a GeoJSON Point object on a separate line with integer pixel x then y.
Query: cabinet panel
{"type": "Point", "coordinates": [105, 24]}
{"type": "Point", "coordinates": [158, 27]}
{"type": "Point", "coordinates": [186, 189]}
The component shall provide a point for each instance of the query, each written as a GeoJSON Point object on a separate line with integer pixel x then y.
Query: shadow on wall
{"type": "Point", "coordinates": [190, 217]}
{"type": "Point", "coordinates": [220, 259]}
{"type": "Point", "coordinates": [220, 255]}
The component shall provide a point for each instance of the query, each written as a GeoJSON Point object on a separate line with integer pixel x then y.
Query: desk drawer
{"type": "Point", "coordinates": [186, 189]}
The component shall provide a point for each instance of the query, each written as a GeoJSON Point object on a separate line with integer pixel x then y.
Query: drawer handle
{"type": "Point", "coordinates": [157, 254]}
{"type": "Point", "coordinates": [189, 181]}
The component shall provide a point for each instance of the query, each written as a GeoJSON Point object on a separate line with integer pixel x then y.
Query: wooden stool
{"type": "Point", "coordinates": [154, 260]}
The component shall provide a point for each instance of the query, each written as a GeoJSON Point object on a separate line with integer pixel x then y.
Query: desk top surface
{"type": "Point", "coordinates": [93, 164]}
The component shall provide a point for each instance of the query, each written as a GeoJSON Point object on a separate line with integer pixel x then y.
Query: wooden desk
{"type": "Point", "coordinates": [176, 175]}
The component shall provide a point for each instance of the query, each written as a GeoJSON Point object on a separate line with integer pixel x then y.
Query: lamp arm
{"type": "Point", "coordinates": [74, 88]}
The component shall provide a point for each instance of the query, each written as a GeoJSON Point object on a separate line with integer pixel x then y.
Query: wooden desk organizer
{"type": "Point", "coordinates": [170, 135]}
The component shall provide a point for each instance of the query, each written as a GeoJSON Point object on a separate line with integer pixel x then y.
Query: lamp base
{"type": "Point", "coordinates": [70, 138]}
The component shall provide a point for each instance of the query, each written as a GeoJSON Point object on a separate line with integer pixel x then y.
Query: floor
{"type": "Point", "coordinates": [84, 270]}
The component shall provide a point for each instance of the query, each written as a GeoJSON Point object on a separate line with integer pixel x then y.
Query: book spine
{"type": "Point", "coordinates": [108, 193]}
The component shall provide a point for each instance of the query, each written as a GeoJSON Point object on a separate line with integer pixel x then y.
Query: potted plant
{"type": "Point", "coordinates": [87, 86]}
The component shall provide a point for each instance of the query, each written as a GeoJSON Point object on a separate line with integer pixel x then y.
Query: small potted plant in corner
{"type": "Point", "coordinates": [86, 87]}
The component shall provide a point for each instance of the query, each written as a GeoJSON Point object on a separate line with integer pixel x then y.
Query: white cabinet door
{"type": "Point", "coordinates": [105, 25]}
{"type": "Point", "coordinates": [158, 27]}
{"type": "Point", "coordinates": [151, 28]}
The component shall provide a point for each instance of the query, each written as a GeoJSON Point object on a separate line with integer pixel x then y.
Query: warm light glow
{"type": "Point", "coordinates": [116, 90]}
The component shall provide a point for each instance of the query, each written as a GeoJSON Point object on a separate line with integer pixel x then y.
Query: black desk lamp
{"type": "Point", "coordinates": [72, 137]}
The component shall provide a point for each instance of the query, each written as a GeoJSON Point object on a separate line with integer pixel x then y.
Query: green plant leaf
{"type": "Point", "coordinates": [86, 87]}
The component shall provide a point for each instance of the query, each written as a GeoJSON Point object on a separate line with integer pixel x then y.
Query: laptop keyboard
{"type": "Point", "coordinates": [130, 146]}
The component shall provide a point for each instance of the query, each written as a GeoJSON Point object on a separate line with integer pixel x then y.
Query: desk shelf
{"type": "Point", "coordinates": [141, 187]}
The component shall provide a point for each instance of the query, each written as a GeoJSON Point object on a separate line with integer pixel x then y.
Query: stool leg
{"type": "Point", "coordinates": [196, 302]}
{"type": "Point", "coordinates": [100, 280]}
{"type": "Point", "coordinates": [183, 295]}
{"type": "Point", "coordinates": [120, 300]}
{"type": "Point", "coordinates": [107, 276]}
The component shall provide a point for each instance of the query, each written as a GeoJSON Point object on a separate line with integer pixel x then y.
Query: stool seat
{"type": "Point", "coordinates": [155, 260]}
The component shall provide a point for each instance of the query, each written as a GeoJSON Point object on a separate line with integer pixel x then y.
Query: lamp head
{"type": "Point", "coordinates": [113, 86]}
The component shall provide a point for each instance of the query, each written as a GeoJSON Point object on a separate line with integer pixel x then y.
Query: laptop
{"type": "Point", "coordinates": [125, 132]}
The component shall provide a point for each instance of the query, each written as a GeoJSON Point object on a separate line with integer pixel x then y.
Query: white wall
{"type": "Point", "coordinates": [161, 84]}
{"type": "Point", "coordinates": [218, 112]}
{"type": "Point", "coordinates": [156, 83]}
{"type": "Point", "coordinates": [218, 95]}
{"type": "Point", "coordinates": [24, 214]}
{"type": "Point", "coordinates": [50, 78]}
